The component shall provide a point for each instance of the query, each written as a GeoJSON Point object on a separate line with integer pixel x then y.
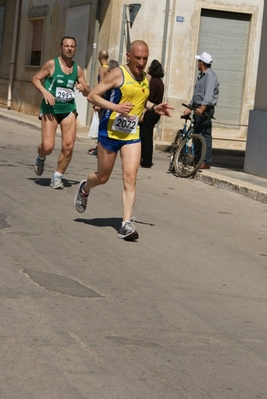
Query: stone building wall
{"type": "Point", "coordinates": [171, 41]}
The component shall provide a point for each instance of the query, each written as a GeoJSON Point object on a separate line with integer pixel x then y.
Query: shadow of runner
{"type": "Point", "coordinates": [45, 182]}
{"type": "Point", "coordinates": [101, 222]}
{"type": "Point", "coordinates": [229, 159]}
{"type": "Point", "coordinates": [108, 222]}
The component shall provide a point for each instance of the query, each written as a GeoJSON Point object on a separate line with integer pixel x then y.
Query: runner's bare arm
{"type": "Point", "coordinates": [46, 70]}
{"type": "Point", "coordinates": [112, 80]}
{"type": "Point", "coordinates": [82, 85]}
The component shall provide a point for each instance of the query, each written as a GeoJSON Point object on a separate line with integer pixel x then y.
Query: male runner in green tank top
{"type": "Point", "coordinates": [58, 107]}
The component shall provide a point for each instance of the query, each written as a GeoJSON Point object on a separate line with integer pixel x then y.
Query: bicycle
{"type": "Point", "coordinates": [188, 149]}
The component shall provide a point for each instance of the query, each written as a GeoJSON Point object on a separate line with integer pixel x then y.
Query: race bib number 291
{"type": "Point", "coordinates": [125, 124]}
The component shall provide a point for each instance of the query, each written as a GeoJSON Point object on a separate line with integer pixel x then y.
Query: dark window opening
{"type": "Point", "coordinates": [37, 39]}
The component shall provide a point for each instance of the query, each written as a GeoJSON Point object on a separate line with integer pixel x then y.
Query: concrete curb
{"type": "Point", "coordinates": [231, 186]}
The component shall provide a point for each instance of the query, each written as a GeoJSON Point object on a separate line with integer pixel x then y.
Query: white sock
{"type": "Point", "coordinates": [57, 174]}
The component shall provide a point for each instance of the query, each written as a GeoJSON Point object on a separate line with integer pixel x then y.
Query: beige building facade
{"type": "Point", "coordinates": [230, 30]}
{"type": "Point", "coordinates": [255, 156]}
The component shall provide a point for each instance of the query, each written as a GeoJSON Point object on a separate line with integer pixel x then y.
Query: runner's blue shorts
{"type": "Point", "coordinates": [115, 145]}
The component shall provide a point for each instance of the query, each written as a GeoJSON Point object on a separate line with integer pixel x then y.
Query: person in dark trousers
{"type": "Point", "coordinates": [205, 98]}
{"type": "Point", "coordinates": [103, 70]}
{"type": "Point", "coordinates": [155, 74]}
{"type": "Point", "coordinates": [111, 64]}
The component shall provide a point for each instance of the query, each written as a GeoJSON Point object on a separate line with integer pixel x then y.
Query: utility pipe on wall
{"type": "Point", "coordinates": [13, 55]}
{"type": "Point", "coordinates": [165, 32]}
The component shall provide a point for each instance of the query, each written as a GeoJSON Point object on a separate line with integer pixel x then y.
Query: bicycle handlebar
{"type": "Point", "coordinates": [187, 117]}
{"type": "Point", "coordinates": [188, 106]}
{"type": "Point", "coordinates": [193, 109]}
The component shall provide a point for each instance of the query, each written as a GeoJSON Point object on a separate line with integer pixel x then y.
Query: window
{"type": "Point", "coordinates": [37, 39]}
{"type": "Point", "coordinates": [2, 18]}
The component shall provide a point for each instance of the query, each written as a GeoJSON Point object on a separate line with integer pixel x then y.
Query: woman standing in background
{"type": "Point", "coordinates": [155, 74]}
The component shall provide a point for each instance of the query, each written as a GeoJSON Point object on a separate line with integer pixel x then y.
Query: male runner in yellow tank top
{"type": "Point", "coordinates": [103, 69]}
{"type": "Point", "coordinates": [58, 107]}
{"type": "Point", "coordinates": [127, 90]}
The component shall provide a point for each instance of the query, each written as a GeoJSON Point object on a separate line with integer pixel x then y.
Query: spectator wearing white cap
{"type": "Point", "coordinates": [204, 99]}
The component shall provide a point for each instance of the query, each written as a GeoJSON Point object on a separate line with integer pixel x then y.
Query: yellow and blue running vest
{"type": "Point", "coordinates": [120, 127]}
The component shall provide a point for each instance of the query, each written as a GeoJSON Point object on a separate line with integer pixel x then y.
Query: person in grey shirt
{"type": "Point", "coordinates": [204, 99]}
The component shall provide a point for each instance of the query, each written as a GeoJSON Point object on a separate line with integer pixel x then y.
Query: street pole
{"type": "Point", "coordinates": [168, 66]}
{"type": "Point", "coordinates": [122, 32]}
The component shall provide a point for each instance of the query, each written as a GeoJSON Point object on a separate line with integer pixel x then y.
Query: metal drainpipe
{"type": "Point", "coordinates": [165, 32]}
{"type": "Point", "coordinates": [13, 55]}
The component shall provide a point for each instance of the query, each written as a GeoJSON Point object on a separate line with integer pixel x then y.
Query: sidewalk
{"type": "Point", "coordinates": [226, 171]}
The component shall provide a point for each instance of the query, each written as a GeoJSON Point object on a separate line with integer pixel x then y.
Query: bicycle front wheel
{"type": "Point", "coordinates": [189, 155]}
{"type": "Point", "coordinates": [174, 145]}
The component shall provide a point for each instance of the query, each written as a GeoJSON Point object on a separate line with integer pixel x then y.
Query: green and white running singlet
{"type": "Point", "coordinates": [61, 86]}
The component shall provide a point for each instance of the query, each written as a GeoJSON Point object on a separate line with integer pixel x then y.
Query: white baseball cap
{"type": "Point", "coordinates": [205, 57]}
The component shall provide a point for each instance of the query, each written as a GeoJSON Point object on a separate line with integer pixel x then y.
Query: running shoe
{"type": "Point", "coordinates": [128, 232]}
{"type": "Point", "coordinates": [92, 151]}
{"type": "Point", "coordinates": [39, 166]}
{"type": "Point", "coordinates": [80, 201]}
{"type": "Point", "coordinates": [56, 182]}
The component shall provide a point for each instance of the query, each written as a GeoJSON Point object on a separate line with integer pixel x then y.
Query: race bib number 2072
{"type": "Point", "coordinates": [125, 124]}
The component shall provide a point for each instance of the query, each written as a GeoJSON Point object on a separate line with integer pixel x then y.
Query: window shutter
{"type": "Point", "coordinates": [37, 38]}
{"type": "Point", "coordinates": [37, 35]}
{"type": "Point", "coordinates": [225, 36]}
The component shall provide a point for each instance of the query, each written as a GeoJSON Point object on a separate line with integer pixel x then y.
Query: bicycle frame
{"type": "Point", "coordinates": [187, 134]}
{"type": "Point", "coordinates": [188, 149]}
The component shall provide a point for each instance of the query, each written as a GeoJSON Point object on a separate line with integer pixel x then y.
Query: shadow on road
{"type": "Point", "coordinates": [108, 222]}
{"type": "Point", "coordinates": [102, 222]}
{"type": "Point", "coordinates": [45, 182]}
{"type": "Point", "coordinates": [233, 160]}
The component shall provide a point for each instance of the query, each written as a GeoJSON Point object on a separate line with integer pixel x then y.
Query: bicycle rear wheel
{"type": "Point", "coordinates": [189, 155]}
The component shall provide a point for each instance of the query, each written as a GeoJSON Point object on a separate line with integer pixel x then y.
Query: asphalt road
{"type": "Point", "coordinates": [179, 314]}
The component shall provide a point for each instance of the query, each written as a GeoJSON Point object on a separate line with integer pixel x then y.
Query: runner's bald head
{"type": "Point", "coordinates": [137, 43]}
{"type": "Point", "coordinates": [103, 54]}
